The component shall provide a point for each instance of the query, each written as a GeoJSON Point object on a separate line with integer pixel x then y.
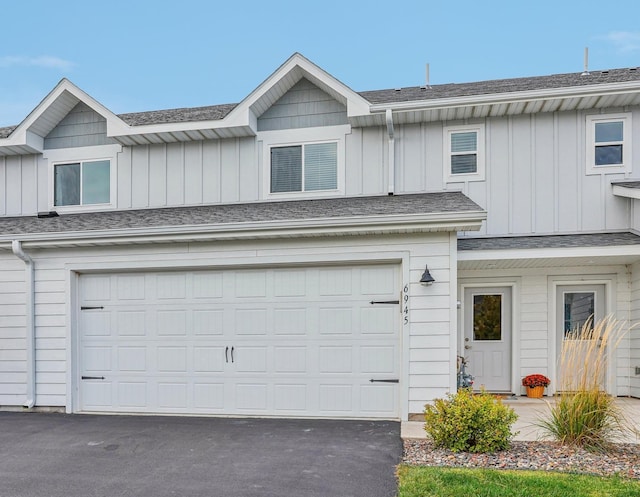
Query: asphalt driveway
{"type": "Point", "coordinates": [53, 455]}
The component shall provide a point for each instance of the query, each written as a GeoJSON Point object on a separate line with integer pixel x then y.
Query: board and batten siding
{"type": "Point", "coordinates": [536, 179]}
{"type": "Point", "coordinates": [428, 369]}
{"type": "Point", "coordinates": [20, 183]}
{"type": "Point", "coordinates": [532, 322]}
{"type": "Point", "coordinates": [13, 355]}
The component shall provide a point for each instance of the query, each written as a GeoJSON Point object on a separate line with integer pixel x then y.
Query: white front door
{"type": "Point", "coordinates": [577, 305]}
{"type": "Point", "coordinates": [274, 341]}
{"type": "Point", "coordinates": [487, 337]}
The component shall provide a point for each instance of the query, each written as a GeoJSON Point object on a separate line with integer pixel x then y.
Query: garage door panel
{"type": "Point", "coordinates": [132, 359]}
{"type": "Point", "coordinates": [335, 320]}
{"type": "Point", "coordinates": [131, 287]}
{"type": "Point", "coordinates": [96, 323]}
{"type": "Point", "coordinates": [378, 320]}
{"type": "Point", "coordinates": [209, 396]}
{"type": "Point", "coordinates": [306, 341]}
{"type": "Point", "coordinates": [131, 323]}
{"type": "Point", "coordinates": [171, 359]}
{"type": "Point", "coordinates": [290, 321]}
{"type": "Point", "coordinates": [171, 286]}
{"type": "Point", "coordinates": [208, 322]}
{"type": "Point", "coordinates": [208, 359]}
{"type": "Point", "coordinates": [251, 396]}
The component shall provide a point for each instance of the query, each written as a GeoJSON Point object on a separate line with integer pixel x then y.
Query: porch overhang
{"type": "Point", "coordinates": [593, 249]}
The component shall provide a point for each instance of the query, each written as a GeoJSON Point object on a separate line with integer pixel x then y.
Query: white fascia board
{"type": "Point", "coordinates": [511, 97]}
{"type": "Point", "coordinates": [622, 191]}
{"type": "Point", "coordinates": [416, 223]}
{"type": "Point", "coordinates": [548, 253]}
{"type": "Point", "coordinates": [22, 136]}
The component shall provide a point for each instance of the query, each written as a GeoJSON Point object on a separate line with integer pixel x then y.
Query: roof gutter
{"type": "Point", "coordinates": [509, 97]}
{"type": "Point", "coordinates": [400, 223]}
{"type": "Point", "coordinates": [16, 248]}
{"type": "Point", "coordinates": [392, 152]}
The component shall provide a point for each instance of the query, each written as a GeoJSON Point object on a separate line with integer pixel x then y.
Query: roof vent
{"type": "Point", "coordinates": [426, 86]}
{"type": "Point", "coordinates": [604, 72]}
{"type": "Point", "coordinates": [47, 214]}
{"type": "Point", "coordinates": [586, 62]}
{"type": "Point", "coordinates": [398, 89]}
{"type": "Point", "coordinates": [633, 69]}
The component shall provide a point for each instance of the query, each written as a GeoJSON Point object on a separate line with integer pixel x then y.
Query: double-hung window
{"type": "Point", "coordinates": [464, 153]}
{"type": "Point", "coordinates": [608, 143]}
{"type": "Point", "coordinates": [305, 167]}
{"type": "Point", "coordinates": [82, 183]}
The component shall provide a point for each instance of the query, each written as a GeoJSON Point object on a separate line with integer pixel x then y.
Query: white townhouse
{"type": "Point", "coordinates": [315, 251]}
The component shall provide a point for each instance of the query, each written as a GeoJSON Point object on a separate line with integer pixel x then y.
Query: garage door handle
{"type": "Point", "coordinates": [226, 354]}
{"type": "Point", "coordinates": [92, 377]}
{"type": "Point", "coordinates": [90, 307]}
{"type": "Point", "coordinates": [384, 381]}
{"type": "Point", "coordinates": [231, 354]}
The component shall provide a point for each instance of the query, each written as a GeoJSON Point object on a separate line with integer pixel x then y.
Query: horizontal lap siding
{"type": "Point", "coordinates": [13, 355]}
{"type": "Point", "coordinates": [532, 322]}
{"type": "Point", "coordinates": [428, 368]}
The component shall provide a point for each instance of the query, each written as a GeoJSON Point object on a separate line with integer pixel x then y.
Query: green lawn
{"type": "Point", "coordinates": [420, 481]}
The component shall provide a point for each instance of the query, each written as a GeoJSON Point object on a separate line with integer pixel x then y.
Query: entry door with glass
{"type": "Point", "coordinates": [576, 305]}
{"type": "Point", "coordinates": [487, 337]}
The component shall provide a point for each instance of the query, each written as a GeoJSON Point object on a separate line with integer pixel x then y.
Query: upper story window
{"type": "Point", "coordinates": [608, 143]}
{"type": "Point", "coordinates": [302, 168]}
{"type": "Point", "coordinates": [82, 178]}
{"type": "Point", "coordinates": [464, 153]}
{"type": "Point", "coordinates": [303, 162]}
{"type": "Point", "coordinates": [82, 183]}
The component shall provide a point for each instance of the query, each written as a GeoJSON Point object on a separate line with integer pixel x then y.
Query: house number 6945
{"type": "Point", "coordinates": [405, 304]}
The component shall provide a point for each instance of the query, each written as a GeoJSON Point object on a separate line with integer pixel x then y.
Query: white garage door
{"type": "Point", "coordinates": [285, 342]}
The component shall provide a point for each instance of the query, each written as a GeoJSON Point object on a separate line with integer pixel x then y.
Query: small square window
{"type": "Point", "coordinates": [608, 145]}
{"type": "Point", "coordinates": [82, 183]}
{"type": "Point", "coordinates": [307, 167]}
{"type": "Point", "coordinates": [464, 153]}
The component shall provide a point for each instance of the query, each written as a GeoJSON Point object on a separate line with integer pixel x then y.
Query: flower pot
{"type": "Point", "coordinates": [535, 392]}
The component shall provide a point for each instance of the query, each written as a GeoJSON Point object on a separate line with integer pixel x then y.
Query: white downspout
{"type": "Point", "coordinates": [16, 247]}
{"type": "Point", "coordinates": [392, 153]}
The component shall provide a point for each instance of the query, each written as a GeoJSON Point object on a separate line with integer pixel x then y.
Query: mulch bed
{"type": "Point", "coordinates": [622, 459]}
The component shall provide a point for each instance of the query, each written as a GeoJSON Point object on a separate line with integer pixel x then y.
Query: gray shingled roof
{"type": "Point", "coordinates": [549, 241]}
{"type": "Point", "coordinates": [210, 113]}
{"type": "Point", "coordinates": [501, 86]}
{"type": "Point", "coordinates": [216, 112]}
{"type": "Point", "coordinates": [425, 203]}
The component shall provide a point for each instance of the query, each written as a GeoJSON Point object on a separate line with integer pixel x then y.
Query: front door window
{"type": "Point", "coordinates": [487, 317]}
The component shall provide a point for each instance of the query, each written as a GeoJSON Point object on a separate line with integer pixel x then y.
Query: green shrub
{"type": "Point", "coordinates": [468, 422]}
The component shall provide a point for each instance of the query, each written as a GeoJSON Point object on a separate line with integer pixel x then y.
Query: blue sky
{"type": "Point", "coordinates": [142, 55]}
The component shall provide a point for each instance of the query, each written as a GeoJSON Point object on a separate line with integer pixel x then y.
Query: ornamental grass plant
{"type": "Point", "coordinates": [584, 414]}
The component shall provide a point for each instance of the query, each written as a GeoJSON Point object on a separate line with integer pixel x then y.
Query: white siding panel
{"type": "Point", "coordinates": [544, 184]}
{"type": "Point", "coordinates": [634, 337]}
{"type": "Point", "coordinates": [211, 172]}
{"type": "Point", "coordinates": [157, 175]}
{"type": "Point", "coordinates": [124, 179]}
{"type": "Point", "coordinates": [374, 162]}
{"type": "Point", "coordinates": [140, 177]}
{"type": "Point", "coordinates": [569, 174]}
{"type": "Point", "coordinates": [229, 171]}
{"type": "Point", "coordinates": [248, 170]}
{"type": "Point", "coordinates": [411, 168]}
{"type": "Point", "coordinates": [353, 145]}
{"type": "Point", "coordinates": [193, 173]}
{"type": "Point", "coordinates": [175, 174]}
{"type": "Point", "coordinates": [433, 159]}
{"type": "Point", "coordinates": [498, 201]}
{"type": "Point", "coordinates": [520, 192]}
{"type": "Point", "coordinates": [13, 174]}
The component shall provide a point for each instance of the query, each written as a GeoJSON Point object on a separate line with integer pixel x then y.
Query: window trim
{"type": "Point", "coordinates": [57, 157]}
{"type": "Point", "coordinates": [479, 175]}
{"type": "Point", "coordinates": [300, 137]}
{"type": "Point", "coordinates": [590, 142]}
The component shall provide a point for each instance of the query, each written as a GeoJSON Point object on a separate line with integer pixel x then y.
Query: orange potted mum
{"type": "Point", "coordinates": [535, 384]}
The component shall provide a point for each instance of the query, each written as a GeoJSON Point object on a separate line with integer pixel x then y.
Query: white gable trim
{"type": "Point", "coordinates": [30, 133]}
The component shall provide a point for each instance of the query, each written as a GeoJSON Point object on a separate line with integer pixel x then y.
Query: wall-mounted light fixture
{"type": "Point", "coordinates": [426, 279]}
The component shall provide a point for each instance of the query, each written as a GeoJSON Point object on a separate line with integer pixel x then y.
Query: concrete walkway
{"type": "Point", "coordinates": [529, 411]}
